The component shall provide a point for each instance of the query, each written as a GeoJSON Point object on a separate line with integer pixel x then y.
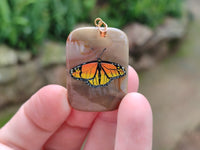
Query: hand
{"type": "Point", "coordinates": [46, 121]}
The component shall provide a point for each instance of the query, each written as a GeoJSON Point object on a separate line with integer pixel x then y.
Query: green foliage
{"type": "Point", "coordinates": [5, 119]}
{"type": "Point", "coordinates": [66, 13]}
{"type": "Point", "coordinates": [149, 12]}
{"type": "Point", "coordinates": [6, 114]}
{"type": "Point", "coordinates": [63, 17]}
{"type": "Point", "coordinates": [25, 23]}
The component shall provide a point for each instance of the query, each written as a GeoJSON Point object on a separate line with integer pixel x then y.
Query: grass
{"type": "Point", "coordinates": [5, 119]}
{"type": "Point", "coordinates": [7, 113]}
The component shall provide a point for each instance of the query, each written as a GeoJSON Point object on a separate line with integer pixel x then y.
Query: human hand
{"type": "Point", "coordinates": [46, 121]}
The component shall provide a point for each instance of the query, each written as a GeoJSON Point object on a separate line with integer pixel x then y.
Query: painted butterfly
{"type": "Point", "coordinates": [98, 73]}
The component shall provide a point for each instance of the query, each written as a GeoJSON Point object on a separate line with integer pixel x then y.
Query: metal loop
{"type": "Point", "coordinates": [100, 23]}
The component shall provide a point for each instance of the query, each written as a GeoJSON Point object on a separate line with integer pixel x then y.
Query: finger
{"type": "Point", "coordinates": [37, 119]}
{"type": "Point", "coordinates": [133, 80]}
{"type": "Point", "coordinates": [4, 147]}
{"type": "Point", "coordinates": [102, 135]}
{"type": "Point", "coordinates": [134, 129]}
{"type": "Point", "coordinates": [72, 133]}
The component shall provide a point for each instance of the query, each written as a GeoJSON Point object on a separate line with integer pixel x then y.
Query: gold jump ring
{"type": "Point", "coordinates": [99, 23]}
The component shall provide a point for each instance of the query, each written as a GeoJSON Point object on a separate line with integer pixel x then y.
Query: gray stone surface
{"type": "Point", "coordinates": [19, 81]}
{"type": "Point", "coordinates": [148, 47]}
{"type": "Point", "coordinates": [146, 62]}
{"type": "Point", "coordinates": [8, 94]}
{"type": "Point", "coordinates": [53, 53]}
{"type": "Point", "coordinates": [56, 75]}
{"type": "Point", "coordinates": [29, 75]}
{"type": "Point", "coordinates": [28, 80]}
{"type": "Point", "coordinates": [161, 51]}
{"type": "Point", "coordinates": [24, 56]}
{"type": "Point", "coordinates": [170, 29]}
{"type": "Point", "coordinates": [8, 74]}
{"type": "Point", "coordinates": [137, 34]}
{"type": "Point", "coordinates": [7, 56]}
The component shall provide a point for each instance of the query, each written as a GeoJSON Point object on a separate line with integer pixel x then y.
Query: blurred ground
{"type": "Point", "coordinates": [173, 89]}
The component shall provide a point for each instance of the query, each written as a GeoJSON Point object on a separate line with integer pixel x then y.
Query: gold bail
{"type": "Point", "coordinates": [100, 23]}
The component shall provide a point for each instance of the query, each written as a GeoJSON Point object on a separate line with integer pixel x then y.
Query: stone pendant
{"type": "Point", "coordinates": [97, 68]}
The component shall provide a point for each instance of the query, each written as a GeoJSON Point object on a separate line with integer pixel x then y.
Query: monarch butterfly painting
{"type": "Point", "coordinates": [98, 73]}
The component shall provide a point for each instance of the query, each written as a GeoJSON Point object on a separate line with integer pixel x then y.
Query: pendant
{"type": "Point", "coordinates": [97, 67]}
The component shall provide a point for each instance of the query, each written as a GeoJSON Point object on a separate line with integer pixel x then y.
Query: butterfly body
{"type": "Point", "coordinates": [98, 73]}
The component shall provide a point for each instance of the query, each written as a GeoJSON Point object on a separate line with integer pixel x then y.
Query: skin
{"type": "Point", "coordinates": [47, 122]}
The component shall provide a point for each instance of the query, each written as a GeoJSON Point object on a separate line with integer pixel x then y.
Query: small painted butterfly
{"type": "Point", "coordinates": [98, 73]}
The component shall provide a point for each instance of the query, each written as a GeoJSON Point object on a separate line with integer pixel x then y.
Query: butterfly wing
{"type": "Point", "coordinates": [106, 72]}
{"type": "Point", "coordinates": [100, 79]}
{"type": "Point", "coordinates": [98, 73]}
{"type": "Point", "coordinates": [84, 71]}
{"type": "Point", "coordinates": [113, 70]}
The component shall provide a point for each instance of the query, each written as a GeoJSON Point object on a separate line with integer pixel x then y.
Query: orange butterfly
{"type": "Point", "coordinates": [98, 73]}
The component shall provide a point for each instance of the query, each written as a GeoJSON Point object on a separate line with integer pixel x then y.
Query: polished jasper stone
{"type": "Point", "coordinates": [88, 74]}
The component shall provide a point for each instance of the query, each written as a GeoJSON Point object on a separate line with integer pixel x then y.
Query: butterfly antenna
{"type": "Point", "coordinates": [102, 52]}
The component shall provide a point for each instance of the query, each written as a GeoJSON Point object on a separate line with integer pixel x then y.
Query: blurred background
{"type": "Point", "coordinates": [164, 49]}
